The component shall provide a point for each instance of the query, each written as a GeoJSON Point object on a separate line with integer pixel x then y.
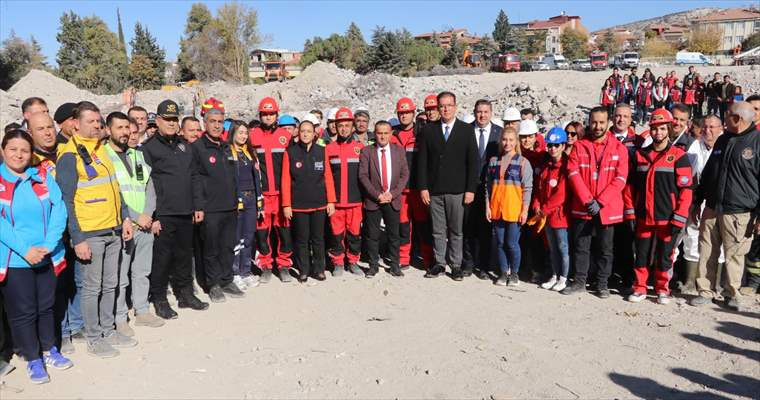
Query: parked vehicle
{"type": "Point", "coordinates": [471, 60]}
{"type": "Point", "coordinates": [505, 62]}
{"type": "Point", "coordinates": [691, 57]}
{"type": "Point", "coordinates": [555, 61]}
{"type": "Point", "coordinates": [539, 66]}
{"type": "Point", "coordinates": [599, 60]}
{"type": "Point", "coordinates": [275, 71]}
{"type": "Point", "coordinates": [582, 65]}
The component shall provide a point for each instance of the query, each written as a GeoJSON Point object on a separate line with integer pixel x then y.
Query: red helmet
{"type": "Point", "coordinates": [405, 104]}
{"type": "Point", "coordinates": [660, 116]}
{"type": "Point", "coordinates": [344, 114]}
{"type": "Point", "coordinates": [268, 105]}
{"type": "Point", "coordinates": [431, 102]}
{"type": "Point", "coordinates": [212, 104]}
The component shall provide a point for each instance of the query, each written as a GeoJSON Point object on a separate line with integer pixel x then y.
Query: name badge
{"type": "Point", "coordinates": [319, 165]}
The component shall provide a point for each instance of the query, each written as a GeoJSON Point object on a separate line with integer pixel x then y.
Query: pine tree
{"type": "Point", "coordinates": [356, 48]}
{"type": "Point", "coordinates": [386, 52]}
{"type": "Point", "coordinates": [71, 53]}
{"type": "Point", "coordinates": [502, 32]}
{"type": "Point", "coordinates": [121, 33]}
{"type": "Point", "coordinates": [144, 45]}
{"type": "Point", "coordinates": [453, 53]}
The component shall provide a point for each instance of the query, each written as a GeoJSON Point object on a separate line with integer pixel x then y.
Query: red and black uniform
{"type": "Point", "coordinates": [536, 155]}
{"type": "Point", "coordinates": [658, 196]}
{"type": "Point", "coordinates": [551, 193]}
{"type": "Point", "coordinates": [415, 215]}
{"type": "Point", "coordinates": [631, 141]}
{"type": "Point", "coordinates": [343, 155]}
{"type": "Point", "coordinates": [270, 146]}
{"type": "Point", "coordinates": [307, 187]}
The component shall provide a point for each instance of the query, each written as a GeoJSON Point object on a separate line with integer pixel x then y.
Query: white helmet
{"type": "Point", "coordinates": [497, 122]}
{"type": "Point", "coordinates": [528, 127]}
{"type": "Point", "coordinates": [511, 114]}
{"type": "Point", "coordinates": [332, 113]}
{"type": "Point", "coordinates": [311, 118]}
{"type": "Point", "coordinates": [468, 119]}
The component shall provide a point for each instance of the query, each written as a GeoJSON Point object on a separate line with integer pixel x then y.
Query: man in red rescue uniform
{"type": "Point", "coordinates": [346, 221]}
{"type": "Point", "coordinates": [597, 171]}
{"type": "Point", "coordinates": [657, 198]}
{"type": "Point", "coordinates": [270, 143]}
{"type": "Point", "coordinates": [414, 213]}
{"type": "Point", "coordinates": [431, 111]}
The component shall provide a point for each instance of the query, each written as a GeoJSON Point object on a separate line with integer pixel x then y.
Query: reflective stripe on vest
{"type": "Point", "coordinates": [132, 189]}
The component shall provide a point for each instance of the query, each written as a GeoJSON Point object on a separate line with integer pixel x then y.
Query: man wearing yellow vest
{"type": "Point", "coordinates": [139, 195]}
{"type": "Point", "coordinates": [98, 221]}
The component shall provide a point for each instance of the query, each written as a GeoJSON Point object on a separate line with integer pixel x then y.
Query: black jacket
{"type": "Point", "coordinates": [730, 181]}
{"type": "Point", "coordinates": [214, 176]}
{"type": "Point", "coordinates": [448, 167]}
{"type": "Point", "coordinates": [171, 161]}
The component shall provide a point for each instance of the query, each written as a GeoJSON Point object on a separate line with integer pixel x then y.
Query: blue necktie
{"type": "Point", "coordinates": [446, 133]}
{"type": "Point", "coordinates": [482, 144]}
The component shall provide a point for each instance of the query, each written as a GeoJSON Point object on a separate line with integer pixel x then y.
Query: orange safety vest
{"type": "Point", "coordinates": [506, 198]}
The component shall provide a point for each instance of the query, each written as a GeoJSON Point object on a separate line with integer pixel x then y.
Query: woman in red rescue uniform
{"type": "Point", "coordinates": [346, 222]}
{"type": "Point", "coordinates": [307, 194]}
{"type": "Point", "coordinates": [657, 197]}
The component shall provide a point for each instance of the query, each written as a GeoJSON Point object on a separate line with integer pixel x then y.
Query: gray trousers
{"type": "Point", "coordinates": [100, 278]}
{"type": "Point", "coordinates": [447, 216]}
{"type": "Point", "coordinates": [136, 261]}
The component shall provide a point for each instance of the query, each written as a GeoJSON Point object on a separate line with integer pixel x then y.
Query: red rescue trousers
{"type": "Point", "coordinates": [654, 249]}
{"type": "Point", "coordinates": [273, 217]}
{"type": "Point", "coordinates": [346, 225]}
{"type": "Point", "coordinates": [414, 215]}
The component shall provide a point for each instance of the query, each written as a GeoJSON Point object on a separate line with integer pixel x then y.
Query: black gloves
{"type": "Point", "coordinates": [593, 207]}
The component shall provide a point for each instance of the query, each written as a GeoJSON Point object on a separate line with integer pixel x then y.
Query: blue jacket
{"type": "Point", "coordinates": [28, 221]}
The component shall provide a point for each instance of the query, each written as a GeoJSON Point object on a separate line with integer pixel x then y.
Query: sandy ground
{"type": "Point", "coordinates": [412, 337]}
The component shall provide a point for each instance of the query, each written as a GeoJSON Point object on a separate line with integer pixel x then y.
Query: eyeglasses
{"type": "Point", "coordinates": [550, 145]}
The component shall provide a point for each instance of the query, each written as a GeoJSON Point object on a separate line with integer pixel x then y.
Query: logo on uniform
{"type": "Point", "coordinates": [283, 140]}
{"type": "Point", "coordinates": [747, 153]}
{"type": "Point", "coordinates": [181, 147]}
{"type": "Point", "coordinates": [2, 187]}
{"type": "Point", "coordinates": [684, 180]}
{"type": "Point", "coordinates": [554, 138]}
{"type": "Point", "coordinates": [319, 165]}
{"type": "Point", "coordinates": [212, 159]}
{"type": "Point", "coordinates": [553, 182]}
{"type": "Point", "coordinates": [357, 150]}
{"type": "Point", "coordinates": [171, 108]}
{"type": "Point", "coordinates": [299, 164]}
{"type": "Point", "coordinates": [670, 158]}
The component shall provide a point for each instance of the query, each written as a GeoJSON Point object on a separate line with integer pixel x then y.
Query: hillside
{"type": "Point", "coordinates": [683, 18]}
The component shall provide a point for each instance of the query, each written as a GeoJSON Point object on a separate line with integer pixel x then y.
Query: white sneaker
{"type": "Point", "coordinates": [561, 284]}
{"type": "Point", "coordinates": [663, 299]}
{"type": "Point", "coordinates": [251, 281]}
{"type": "Point", "coordinates": [550, 283]}
{"type": "Point", "coordinates": [636, 297]}
{"type": "Point", "coordinates": [238, 281]}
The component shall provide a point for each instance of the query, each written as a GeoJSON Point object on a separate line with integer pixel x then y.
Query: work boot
{"type": "Point", "coordinates": [148, 319]}
{"type": "Point", "coordinates": [233, 291]}
{"type": "Point", "coordinates": [396, 271]}
{"type": "Point", "coordinates": [266, 276]}
{"type": "Point", "coordinates": [163, 310]}
{"type": "Point", "coordinates": [216, 294]}
{"type": "Point", "coordinates": [689, 286]}
{"type": "Point", "coordinates": [467, 272]}
{"type": "Point", "coordinates": [189, 300]}
{"type": "Point", "coordinates": [371, 272]}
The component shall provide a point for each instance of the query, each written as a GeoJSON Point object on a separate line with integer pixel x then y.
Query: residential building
{"type": "Point", "coordinates": [678, 35]}
{"type": "Point", "coordinates": [444, 38]}
{"type": "Point", "coordinates": [627, 40]}
{"type": "Point", "coordinates": [554, 27]}
{"type": "Point", "coordinates": [735, 25]}
{"type": "Point", "coordinates": [263, 58]}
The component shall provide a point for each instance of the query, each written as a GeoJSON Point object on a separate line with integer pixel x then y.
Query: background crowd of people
{"type": "Point", "coordinates": [103, 214]}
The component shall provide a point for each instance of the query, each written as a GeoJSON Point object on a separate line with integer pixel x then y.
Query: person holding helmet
{"type": "Point", "coordinates": [550, 202]}
{"type": "Point", "coordinates": [431, 109]}
{"type": "Point", "coordinates": [288, 123]}
{"type": "Point", "coordinates": [270, 142]}
{"type": "Point", "coordinates": [346, 221]}
{"type": "Point", "coordinates": [657, 200]}
{"type": "Point", "coordinates": [414, 214]}
{"type": "Point", "coordinates": [511, 117]}
{"type": "Point", "coordinates": [331, 133]}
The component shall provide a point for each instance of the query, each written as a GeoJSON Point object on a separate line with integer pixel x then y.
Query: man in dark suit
{"type": "Point", "coordinates": [447, 168]}
{"type": "Point", "coordinates": [477, 230]}
{"type": "Point", "coordinates": [383, 174]}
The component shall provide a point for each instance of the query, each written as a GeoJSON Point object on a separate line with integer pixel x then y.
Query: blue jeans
{"type": "Point", "coordinates": [558, 250]}
{"type": "Point", "coordinates": [69, 299]}
{"type": "Point", "coordinates": [507, 245]}
{"type": "Point", "coordinates": [244, 246]}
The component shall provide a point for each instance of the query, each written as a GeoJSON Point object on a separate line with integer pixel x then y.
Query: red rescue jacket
{"type": "Point", "coordinates": [270, 147]}
{"type": "Point", "coordinates": [344, 162]}
{"type": "Point", "coordinates": [551, 192]}
{"type": "Point", "coordinates": [408, 140]}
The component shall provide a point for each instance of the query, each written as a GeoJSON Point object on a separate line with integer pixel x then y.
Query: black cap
{"type": "Point", "coordinates": [64, 112]}
{"type": "Point", "coordinates": [168, 109]}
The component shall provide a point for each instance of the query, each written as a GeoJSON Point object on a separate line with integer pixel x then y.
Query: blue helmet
{"type": "Point", "coordinates": [286, 119]}
{"type": "Point", "coordinates": [556, 135]}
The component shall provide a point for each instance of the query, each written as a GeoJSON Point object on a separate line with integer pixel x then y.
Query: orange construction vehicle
{"type": "Point", "coordinates": [275, 71]}
{"type": "Point", "coordinates": [470, 60]}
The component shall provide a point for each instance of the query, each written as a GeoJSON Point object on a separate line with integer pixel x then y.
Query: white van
{"type": "Point", "coordinates": [690, 57]}
{"type": "Point", "coordinates": [556, 61]}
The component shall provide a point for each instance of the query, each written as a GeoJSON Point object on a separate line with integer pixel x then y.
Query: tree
{"type": "Point", "coordinates": [356, 49]}
{"type": "Point", "coordinates": [608, 44]}
{"type": "Point", "coordinates": [751, 41]}
{"type": "Point", "coordinates": [198, 17]}
{"type": "Point", "coordinates": [705, 40]}
{"type": "Point", "coordinates": [237, 24]}
{"type": "Point", "coordinates": [333, 50]}
{"type": "Point", "coordinates": [657, 48]}
{"type": "Point", "coordinates": [502, 32]}
{"type": "Point", "coordinates": [17, 58]}
{"type": "Point", "coordinates": [386, 53]}
{"type": "Point", "coordinates": [122, 43]}
{"type": "Point", "coordinates": [535, 43]}
{"type": "Point", "coordinates": [423, 55]}
{"type": "Point", "coordinates": [71, 54]}
{"type": "Point", "coordinates": [574, 44]}
{"type": "Point", "coordinates": [453, 53]}
{"type": "Point", "coordinates": [144, 45]}
{"type": "Point", "coordinates": [486, 46]}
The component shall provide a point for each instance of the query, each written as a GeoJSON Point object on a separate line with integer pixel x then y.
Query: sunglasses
{"type": "Point", "coordinates": [550, 145]}
{"type": "Point", "coordinates": [572, 133]}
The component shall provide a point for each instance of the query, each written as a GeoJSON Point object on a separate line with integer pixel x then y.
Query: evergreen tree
{"type": "Point", "coordinates": [71, 53]}
{"type": "Point", "coordinates": [386, 52]}
{"type": "Point", "coordinates": [356, 48]}
{"type": "Point", "coordinates": [453, 53]}
{"type": "Point", "coordinates": [144, 44]}
{"type": "Point", "coordinates": [17, 58]}
{"type": "Point", "coordinates": [104, 62]}
{"type": "Point", "coordinates": [502, 32]}
{"type": "Point", "coordinates": [121, 33]}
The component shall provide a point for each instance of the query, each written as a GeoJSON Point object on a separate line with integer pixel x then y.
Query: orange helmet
{"type": "Point", "coordinates": [268, 105]}
{"type": "Point", "coordinates": [431, 102]}
{"type": "Point", "coordinates": [660, 116]}
{"type": "Point", "coordinates": [212, 104]}
{"type": "Point", "coordinates": [344, 114]}
{"type": "Point", "coordinates": [405, 104]}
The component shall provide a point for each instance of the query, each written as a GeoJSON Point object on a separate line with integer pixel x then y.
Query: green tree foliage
{"type": "Point", "coordinates": [608, 43]}
{"type": "Point", "coordinates": [347, 51]}
{"type": "Point", "coordinates": [486, 46]}
{"type": "Point", "coordinates": [72, 52]}
{"type": "Point", "coordinates": [657, 48]}
{"type": "Point", "coordinates": [386, 52]}
{"type": "Point", "coordinates": [453, 56]}
{"type": "Point", "coordinates": [237, 25]}
{"type": "Point", "coordinates": [198, 18]}
{"type": "Point", "coordinates": [574, 44]}
{"type": "Point", "coordinates": [751, 41]}
{"type": "Point", "coordinates": [17, 57]}
{"type": "Point", "coordinates": [502, 31]}
{"type": "Point", "coordinates": [146, 53]}
{"type": "Point", "coordinates": [535, 43]}
{"type": "Point", "coordinates": [357, 48]}
{"type": "Point", "coordinates": [120, 30]}
{"type": "Point", "coordinates": [423, 55]}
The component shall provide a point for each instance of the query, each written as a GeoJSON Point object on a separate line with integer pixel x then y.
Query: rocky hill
{"type": "Point", "coordinates": [679, 18]}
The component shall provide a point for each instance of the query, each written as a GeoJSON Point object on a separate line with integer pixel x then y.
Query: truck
{"type": "Point", "coordinates": [275, 71]}
{"type": "Point", "coordinates": [470, 60]}
{"type": "Point", "coordinates": [599, 60]}
{"type": "Point", "coordinates": [505, 62]}
{"type": "Point", "coordinates": [693, 58]}
{"type": "Point", "coordinates": [555, 61]}
{"type": "Point", "coordinates": [629, 59]}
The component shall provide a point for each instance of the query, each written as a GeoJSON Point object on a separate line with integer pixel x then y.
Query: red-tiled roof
{"type": "Point", "coordinates": [730, 15]}
{"type": "Point", "coordinates": [544, 24]}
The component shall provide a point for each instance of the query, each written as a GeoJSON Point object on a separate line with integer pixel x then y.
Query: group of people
{"type": "Point", "coordinates": [649, 93]}
{"type": "Point", "coordinates": [100, 215]}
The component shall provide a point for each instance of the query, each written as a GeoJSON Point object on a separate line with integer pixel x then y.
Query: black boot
{"type": "Point", "coordinates": [164, 310]}
{"type": "Point", "coordinates": [371, 272]}
{"type": "Point", "coordinates": [396, 271]}
{"type": "Point", "coordinates": [188, 300]}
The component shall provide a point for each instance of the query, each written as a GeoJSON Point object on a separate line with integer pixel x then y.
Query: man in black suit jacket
{"type": "Point", "coordinates": [447, 168]}
{"type": "Point", "coordinates": [476, 255]}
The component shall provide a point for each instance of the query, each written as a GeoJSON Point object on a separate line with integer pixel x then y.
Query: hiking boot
{"type": "Point", "coordinates": [514, 280]}
{"type": "Point", "coordinates": [148, 319]}
{"type": "Point", "coordinates": [216, 294]}
{"type": "Point", "coordinates": [285, 275]}
{"type": "Point", "coordinates": [100, 348]}
{"type": "Point", "coordinates": [603, 293]}
{"type": "Point", "coordinates": [233, 291]}
{"type": "Point", "coordinates": [371, 272]}
{"type": "Point", "coordinates": [456, 274]}
{"type": "Point", "coordinates": [575, 288]}
{"type": "Point", "coordinates": [56, 360]}
{"type": "Point", "coordinates": [117, 340]}
{"type": "Point", "coordinates": [189, 300]}
{"type": "Point", "coordinates": [435, 271]}
{"type": "Point", "coordinates": [550, 283]}
{"type": "Point", "coordinates": [5, 368]}
{"type": "Point", "coordinates": [163, 310]}
{"type": "Point", "coordinates": [663, 298]}
{"type": "Point", "coordinates": [266, 276]}
{"type": "Point", "coordinates": [36, 371]}
{"type": "Point", "coordinates": [502, 281]}
{"type": "Point", "coordinates": [125, 329]}
{"type": "Point", "coordinates": [636, 297]}
{"type": "Point", "coordinates": [251, 281]}
{"type": "Point", "coordinates": [700, 301]}
{"type": "Point", "coordinates": [396, 271]}
{"type": "Point", "coordinates": [67, 345]}
{"type": "Point", "coordinates": [560, 285]}
{"type": "Point", "coordinates": [338, 271]}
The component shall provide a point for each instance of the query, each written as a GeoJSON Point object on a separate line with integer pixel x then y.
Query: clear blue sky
{"type": "Point", "coordinates": [290, 23]}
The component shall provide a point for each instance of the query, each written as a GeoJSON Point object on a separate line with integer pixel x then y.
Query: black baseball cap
{"type": "Point", "coordinates": [64, 112]}
{"type": "Point", "coordinates": [168, 109]}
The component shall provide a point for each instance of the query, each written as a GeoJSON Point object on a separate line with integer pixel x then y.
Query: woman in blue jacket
{"type": "Point", "coordinates": [32, 221]}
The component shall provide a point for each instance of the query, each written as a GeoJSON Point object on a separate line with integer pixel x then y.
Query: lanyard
{"type": "Point", "coordinates": [599, 160]}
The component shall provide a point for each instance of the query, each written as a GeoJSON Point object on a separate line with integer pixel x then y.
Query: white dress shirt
{"type": "Point", "coordinates": [486, 133]}
{"type": "Point", "coordinates": [450, 125]}
{"type": "Point", "coordinates": [388, 163]}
